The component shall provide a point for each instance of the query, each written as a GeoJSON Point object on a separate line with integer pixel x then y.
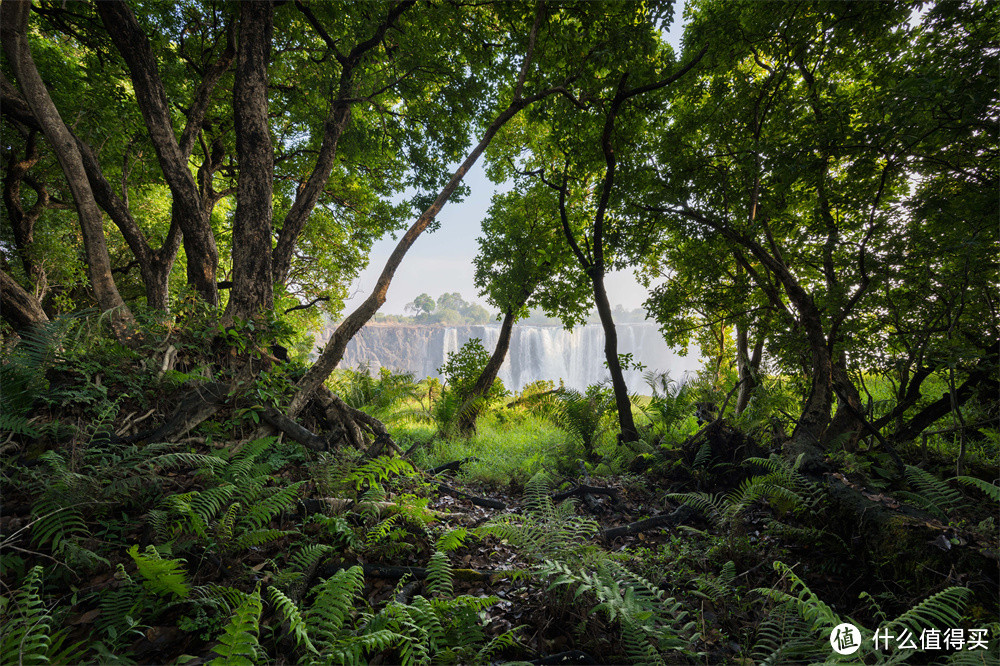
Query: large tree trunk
{"type": "Point", "coordinates": [13, 28]}
{"type": "Point", "coordinates": [625, 421]}
{"type": "Point", "coordinates": [473, 402]}
{"type": "Point", "coordinates": [807, 436]}
{"type": "Point", "coordinates": [19, 308]}
{"type": "Point", "coordinates": [253, 289]}
{"type": "Point", "coordinates": [199, 242]}
{"type": "Point", "coordinates": [845, 428]}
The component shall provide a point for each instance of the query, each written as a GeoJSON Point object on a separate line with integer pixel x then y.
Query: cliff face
{"type": "Point", "coordinates": [536, 352]}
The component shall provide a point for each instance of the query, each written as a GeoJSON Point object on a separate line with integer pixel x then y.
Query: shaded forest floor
{"type": "Point", "coordinates": [233, 546]}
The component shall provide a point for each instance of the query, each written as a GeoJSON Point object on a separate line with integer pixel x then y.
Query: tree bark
{"type": "Point", "coordinates": [253, 289]}
{"type": "Point", "coordinates": [845, 425]}
{"type": "Point", "coordinates": [199, 241]}
{"type": "Point", "coordinates": [22, 221]}
{"type": "Point", "coordinates": [19, 308]}
{"type": "Point", "coordinates": [748, 366]}
{"type": "Point", "coordinates": [629, 433]}
{"type": "Point", "coordinates": [13, 28]}
{"type": "Point", "coordinates": [473, 402]}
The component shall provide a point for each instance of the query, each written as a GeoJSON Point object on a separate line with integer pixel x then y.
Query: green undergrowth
{"type": "Point", "coordinates": [506, 451]}
{"type": "Point", "coordinates": [225, 548]}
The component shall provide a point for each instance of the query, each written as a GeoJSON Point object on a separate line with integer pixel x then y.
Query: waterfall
{"type": "Point", "coordinates": [536, 352]}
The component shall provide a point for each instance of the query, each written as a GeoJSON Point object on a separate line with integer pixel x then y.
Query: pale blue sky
{"type": "Point", "coordinates": [442, 261]}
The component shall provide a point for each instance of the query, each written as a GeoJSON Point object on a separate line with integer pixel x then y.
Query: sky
{"type": "Point", "coordinates": [442, 261]}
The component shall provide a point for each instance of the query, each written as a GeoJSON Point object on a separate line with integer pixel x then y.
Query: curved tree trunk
{"type": "Point", "coordinates": [19, 308]}
{"type": "Point", "coordinates": [473, 402]}
{"type": "Point", "coordinates": [13, 28]}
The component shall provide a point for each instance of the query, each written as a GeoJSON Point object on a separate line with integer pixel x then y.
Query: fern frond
{"type": "Point", "coordinates": [266, 509]}
{"type": "Point", "coordinates": [711, 507]}
{"type": "Point", "coordinates": [938, 496]}
{"type": "Point", "coordinates": [56, 522]}
{"type": "Point", "coordinates": [332, 606]}
{"type": "Point", "coordinates": [439, 575]}
{"type": "Point", "coordinates": [238, 645]}
{"type": "Point", "coordinates": [26, 637]}
{"type": "Point", "coordinates": [296, 623]}
{"type": "Point", "coordinates": [943, 609]}
{"type": "Point", "coordinates": [255, 538]}
{"type": "Point", "coordinates": [308, 555]}
{"type": "Point", "coordinates": [991, 491]}
{"type": "Point", "coordinates": [378, 470]}
{"type": "Point", "coordinates": [162, 577]}
{"type": "Point", "coordinates": [816, 614]}
{"type": "Point", "coordinates": [452, 539]}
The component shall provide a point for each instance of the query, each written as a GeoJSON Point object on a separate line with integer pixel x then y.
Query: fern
{"type": "Point", "coordinates": [56, 523]}
{"type": "Point", "coordinates": [452, 539]}
{"type": "Point", "coordinates": [932, 493]}
{"type": "Point", "coordinates": [296, 623]}
{"type": "Point", "coordinates": [238, 646]}
{"type": "Point", "coordinates": [266, 509]}
{"type": "Point", "coordinates": [547, 531]}
{"type": "Point", "coordinates": [334, 601]}
{"type": "Point", "coordinates": [18, 424]}
{"type": "Point", "coordinates": [162, 577]}
{"type": "Point", "coordinates": [439, 575]}
{"type": "Point", "coordinates": [991, 491]}
{"type": "Point", "coordinates": [377, 471]}
{"type": "Point", "coordinates": [28, 636]}
{"type": "Point", "coordinates": [798, 628]}
{"type": "Point", "coordinates": [650, 621]}
{"type": "Point", "coordinates": [943, 609]}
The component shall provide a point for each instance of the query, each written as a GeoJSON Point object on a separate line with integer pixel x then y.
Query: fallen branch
{"type": "Point", "coordinates": [201, 402]}
{"type": "Point", "coordinates": [587, 490]}
{"type": "Point", "coordinates": [454, 465]}
{"type": "Point", "coordinates": [478, 501]}
{"type": "Point", "coordinates": [679, 515]}
{"type": "Point", "coordinates": [294, 430]}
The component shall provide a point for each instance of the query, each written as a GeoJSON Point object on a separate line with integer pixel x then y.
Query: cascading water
{"type": "Point", "coordinates": [536, 352]}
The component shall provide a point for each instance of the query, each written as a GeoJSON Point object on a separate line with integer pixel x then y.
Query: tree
{"type": "Point", "coordinates": [575, 151]}
{"type": "Point", "coordinates": [807, 181]}
{"type": "Point", "coordinates": [14, 22]}
{"type": "Point", "coordinates": [422, 304]}
{"type": "Point", "coordinates": [521, 263]}
{"type": "Point", "coordinates": [553, 62]}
